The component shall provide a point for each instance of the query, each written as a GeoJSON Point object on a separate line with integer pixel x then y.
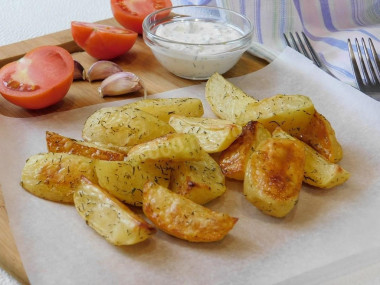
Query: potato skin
{"type": "Point", "coordinates": [55, 176]}
{"type": "Point", "coordinates": [320, 135]}
{"type": "Point", "coordinates": [274, 176]}
{"type": "Point", "coordinates": [182, 218]}
{"type": "Point", "coordinates": [233, 160]}
{"type": "Point", "coordinates": [318, 171]}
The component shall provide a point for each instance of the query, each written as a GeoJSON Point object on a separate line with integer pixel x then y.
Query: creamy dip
{"type": "Point", "coordinates": [198, 32]}
{"type": "Point", "coordinates": [197, 48]}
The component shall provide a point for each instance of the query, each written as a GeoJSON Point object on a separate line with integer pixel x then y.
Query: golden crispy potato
{"type": "Point", "coordinates": [174, 147]}
{"type": "Point", "coordinates": [123, 127]}
{"type": "Point", "coordinates": [318, 170]}
{"type": "Point", "coordinates": [58, 143]}
{"type": "Point", "coordinates": [164, 108]}
{"type": "Point", "coordinates": [320, 135]}
{"type": "Point", "coordinates": [290, 112]}
{"type": "Point", "coordinates": [182, 218]}
{"type": "Point", "coordinates": [55, 176]}
{"type": "Point", "coordinates": [233, 160]}
{"type": "Point", "coordinates": [109, 217]}
{"type": "Point", "coordinates": [125, 179]}
{"type": "Point", "coordinates": [214, 135]}
{"type": "Point", "coordinates": [200, 181]}
{"type": "Point", "coordinates": [226, 100]}
{"type": "Point", "coordinates": [274, 176]}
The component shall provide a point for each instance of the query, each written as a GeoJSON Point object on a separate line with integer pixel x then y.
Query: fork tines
{"type": "Point", "coordinates": [368, 78]}
{"type": "Point", "coordinates": [299, 46]}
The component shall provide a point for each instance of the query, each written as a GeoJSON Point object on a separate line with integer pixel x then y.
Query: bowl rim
{"type": "Point", "coordinates": [153, 36]}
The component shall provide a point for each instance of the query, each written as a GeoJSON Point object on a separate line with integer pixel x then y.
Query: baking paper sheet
{"type": "Point", "coordinates": [329, 233]}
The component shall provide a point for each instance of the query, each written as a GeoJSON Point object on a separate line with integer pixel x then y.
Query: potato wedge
{"type": "Point", "coordinates": [58, 143]}
{"type": "Point", "coordinates": [110, 218]}
{"type": "Point", "coordinates": [318, 171]}
{"type": "Point", "coordinates": [55, 176]}
{"type": "Point", "coordinates": [163, 108]}
{"type": "Point", "coordinates": [182, 218]}
{"type": "Point", "coordinates": [200, 181]}
{"type": "Point", "coordinates": [125, 179]}
{"type": "Point", "coordinates": [226, 100]}
{"type": "Point", "coordinates": [274, 176]}
{"type": "Point", "coordinates": [233, 160]}
{"type": "Point", "coordinates": [290, 112]}
{"type": "Point", "coordinates": [123, 127]}
{"type": "Point", "coordinates": [320, 135]}
{"type": "Point", "coordinates": [174, 147]}
{"type": "Point", "coordinates": [214, 135]}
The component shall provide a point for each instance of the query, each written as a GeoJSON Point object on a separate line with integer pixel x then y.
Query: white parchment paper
{"type": "Point", "coordinates": [328, 234]}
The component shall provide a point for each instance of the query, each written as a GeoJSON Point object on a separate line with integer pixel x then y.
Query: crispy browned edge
{"type": "Point", "coordinates": [58, 143]}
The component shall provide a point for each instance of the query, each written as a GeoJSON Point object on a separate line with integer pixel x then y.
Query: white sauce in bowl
{"type": "Point", "coordinates": [197, 48]}
{"type": "Point", "coordinates": [198, 32]}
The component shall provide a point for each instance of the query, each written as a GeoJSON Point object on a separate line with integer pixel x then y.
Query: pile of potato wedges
{"type": "Point", "coordinates": [163, 156]}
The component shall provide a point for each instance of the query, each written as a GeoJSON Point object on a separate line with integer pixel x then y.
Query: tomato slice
{"type": "Point", "coordinates": [102, 41]}
{"type": "Point", "coordinates": [40, 79]}
{"type": "Point", "coordinates": [131, 13]}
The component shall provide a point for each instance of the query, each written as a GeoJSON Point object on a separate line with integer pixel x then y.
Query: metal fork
{"type": "Point", "coordinates": [299, 46]}
{"type": "Point", "coordinates": [368, 82]}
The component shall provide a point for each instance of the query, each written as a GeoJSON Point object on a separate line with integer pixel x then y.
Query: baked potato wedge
{"type": "Point", "coordinates": [226, 100]}
{"type": "Point", "coordinates": [174, 147]}
{"type": "Point", "coordinates": [290, 112]}
{"type": "Point", "coordinates": [320, 135]}
{"type": "Point", "coordinates": [58, 143]}
{"type": "Point", "coordinates": [214, 135]}
{"type": "Point", "coordinates": [125, 179]}
{"type": "Point", "coordinates": [110, 218]}
{"type": "Point", "coordinates": [318, 171]}
{"type": "Point", "coordinates": [164, 108]}
{"type": "Point", "coordinates": [200, 181]}
{"type": "Point", "coordinates": [274, 174]}
{"type": "Point", "coordinates": [233, 160]}
{"type": "Point", "coordinates": [55, 176]}
{"type": "Point", "coordinates": [123, 127]}
{"type": "Point", "coordinates": [182, 218]}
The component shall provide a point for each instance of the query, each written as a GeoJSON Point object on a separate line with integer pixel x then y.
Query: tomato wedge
{"type": "Point", "coordinates": [40, 79]}
{"type": "Point", "coordinates": [131, 13]}
{"type": "Point", "coordinates": [102, 41]}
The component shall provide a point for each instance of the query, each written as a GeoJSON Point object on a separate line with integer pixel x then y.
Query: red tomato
{"type": "Point", "coordinates": [102, 41]}
{"type": "Point", "coordinates": [131, 13]}
{"type": "Point", "coordinates": [40, 79]}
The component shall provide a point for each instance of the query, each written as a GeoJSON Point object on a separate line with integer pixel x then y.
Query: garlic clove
{"type": "Point", "coordinates": [102, 69]}
{"type": "Point", "coordinates": [121, 83]}
{"type": "Point", "coordinates": [79, 72]}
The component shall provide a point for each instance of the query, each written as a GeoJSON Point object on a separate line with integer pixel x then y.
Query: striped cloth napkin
{"type": "Point", "coordinates": [327, 23]}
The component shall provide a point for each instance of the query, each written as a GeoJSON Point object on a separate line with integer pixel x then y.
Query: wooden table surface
{"type": "Point", "coordinates": [138, 60]}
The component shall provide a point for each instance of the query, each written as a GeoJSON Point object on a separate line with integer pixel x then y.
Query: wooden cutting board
{"type": "Point", "coordinates": [138, 60]}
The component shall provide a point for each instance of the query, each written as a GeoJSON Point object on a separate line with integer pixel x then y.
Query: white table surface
{"type": "Point", "coordinates": [25, 19]}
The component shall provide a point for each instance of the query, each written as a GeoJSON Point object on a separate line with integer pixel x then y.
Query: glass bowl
{"type": "Point", "coordinates": [194, 42]}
